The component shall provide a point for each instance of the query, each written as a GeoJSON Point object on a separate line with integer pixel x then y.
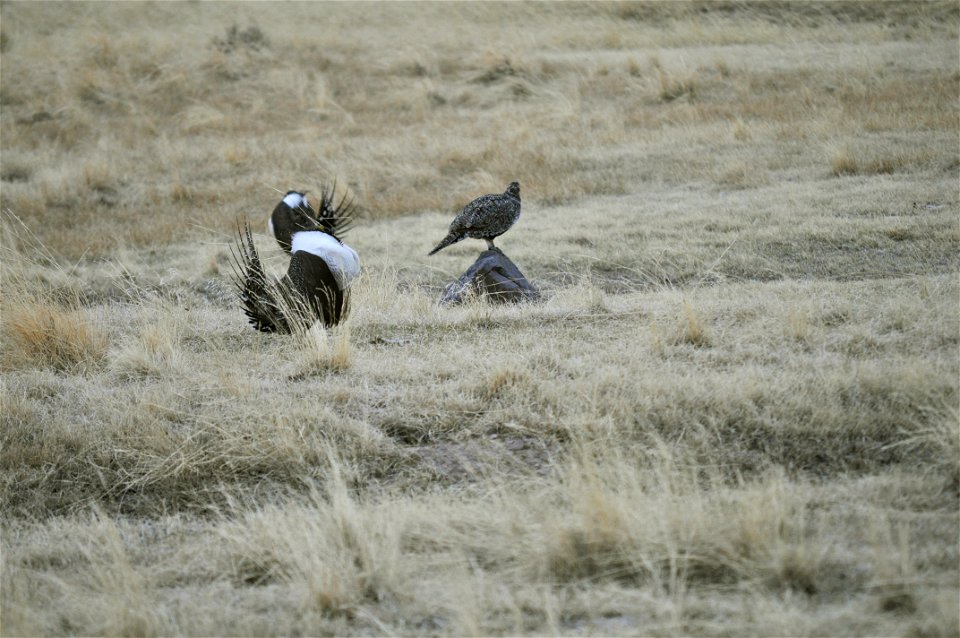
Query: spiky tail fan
{"type": "Point", "coordinates": [259, 297]}
{"type": "Point", "coordinates": [451, 238]}
{"type": "Point", "coordinates": [335, 217]}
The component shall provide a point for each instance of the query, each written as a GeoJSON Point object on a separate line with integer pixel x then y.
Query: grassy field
{"type": "Point", "coordinates": [736, 410]}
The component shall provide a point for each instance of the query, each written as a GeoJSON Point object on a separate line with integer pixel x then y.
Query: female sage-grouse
{"type": "Point", "coordinates": [316, 286]}
{"type": "Point", "coordinates": [485, 217]}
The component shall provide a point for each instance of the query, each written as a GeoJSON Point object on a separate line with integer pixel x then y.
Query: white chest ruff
{"type": "Point", "coordinates": [342, 260]}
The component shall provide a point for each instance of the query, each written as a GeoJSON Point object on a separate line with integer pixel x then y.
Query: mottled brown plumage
{"type": "Point", "coordinates": [485, 218]}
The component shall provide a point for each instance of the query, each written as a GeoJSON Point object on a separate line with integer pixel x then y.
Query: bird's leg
{"type": "Point", "coordinates": [490, 245]}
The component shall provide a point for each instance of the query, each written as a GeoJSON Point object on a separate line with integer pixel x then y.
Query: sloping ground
{"type": "Point", "coordinates": [722, 444]}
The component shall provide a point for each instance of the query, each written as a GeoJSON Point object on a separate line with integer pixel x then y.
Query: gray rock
{"type": "Point", "coordinates": [493, 276]}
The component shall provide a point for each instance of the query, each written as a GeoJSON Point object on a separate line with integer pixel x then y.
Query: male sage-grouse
{"type": "Point", "coordinates": [485, 217]}
{"type": "Point", "coordinates": [316, 286]}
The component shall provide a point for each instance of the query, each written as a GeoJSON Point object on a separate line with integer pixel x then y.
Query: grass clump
{"type": "Point", "coordinates": [44, 321]}
{"type": "Point", "coordinates": [156, 350]}
{"type": "Point", "coordinates": [50, 335]}
{"type": "Point", "coordinates": [692, 329]}
{"type": "Point", "coordinates": [323, 351]}
{"type": "Point", "coordinates": [675, 86]}
{"type": "Point", "coordinates": [844, 162]}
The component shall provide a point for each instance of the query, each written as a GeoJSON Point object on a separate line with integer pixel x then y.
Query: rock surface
{"type": "Point", "coordinates": [493, 276]}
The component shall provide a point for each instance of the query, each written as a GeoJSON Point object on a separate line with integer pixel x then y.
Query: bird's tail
{"type": "Point", "coordinates": [451, 238]}
{"type": "Point", "coordinates": [260, 299]}
{"type": "Point", "coordinates": [336, 218]}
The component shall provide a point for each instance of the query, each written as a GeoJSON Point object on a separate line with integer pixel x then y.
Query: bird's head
{"type": "Point", "coordinates": [292, 215]}
{"type": "Point", "coordinates": [514, 189]}
{"type": "Point", "coordinates": [297, 199]}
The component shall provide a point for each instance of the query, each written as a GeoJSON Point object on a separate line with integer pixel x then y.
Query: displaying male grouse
{"type": "Point", "coordinates": [485, 218]}
{"type": "Point", "coordinates": [316, 286]}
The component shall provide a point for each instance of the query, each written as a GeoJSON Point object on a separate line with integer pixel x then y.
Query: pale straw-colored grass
{"type": "Point", "coordinates": [734, 411]}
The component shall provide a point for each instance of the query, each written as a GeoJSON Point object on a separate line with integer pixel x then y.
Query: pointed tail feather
{"type": "Point", "coordinates": [446, 241]}
{"type": "Point", "coordinates": [257, 295]}
{"type": "Point", "coordinates": [336, 218]}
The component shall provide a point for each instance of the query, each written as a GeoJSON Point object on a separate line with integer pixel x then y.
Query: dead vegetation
{"type": "Point", "coordinates": [84, 117]}
{"type": "Point", "coordinates": [734, 411]}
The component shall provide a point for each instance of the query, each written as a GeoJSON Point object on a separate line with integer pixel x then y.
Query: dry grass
{"type": "Point", "coordinates": [735, 410]}
{"type": "Point", "coordinates": [319, 355]}
{"type": "Point", "coordinates": [44, 328]}
{"type": "Point", "coordinates": [48, 334]}
{"type": "Point", "coordinates": [85, 117]}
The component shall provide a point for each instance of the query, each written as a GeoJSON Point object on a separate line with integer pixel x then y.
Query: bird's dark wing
{"type": "Point", "coordinates": [313, 290]}
{"type": "Point", "coordinates": [493, 215]}
{"type": "Point", "coordinates": [474, 212]}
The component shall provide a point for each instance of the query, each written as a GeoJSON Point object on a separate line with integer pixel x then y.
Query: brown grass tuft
{"type": "Point", "coordinates": [676, 86]}
{"type": "Point", "coordinates": [741, 132]}
{"type": "Point", "coordinates": [798, 323]}
{"type": "Point", "coordinates": [884, 165]}
{"type": "Point", "coordinates": [720, 64]}
{"type": "Point", "coordinates": [875, 161]}
{"type": "Point", "coordinates": [844, 162]}
{"type": "Point", "coordinates": [46, 334]}
{"type": "Point", "coordinates": [502, 382]}
{"type": "Point", "coordinates": [319, 355]}
{"type": "Point", "coordinates": [692, 330]}
{"type": "Point", "coordinates": [156, 350]}
{"type": "Point", "coordinates": [742, 176]}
